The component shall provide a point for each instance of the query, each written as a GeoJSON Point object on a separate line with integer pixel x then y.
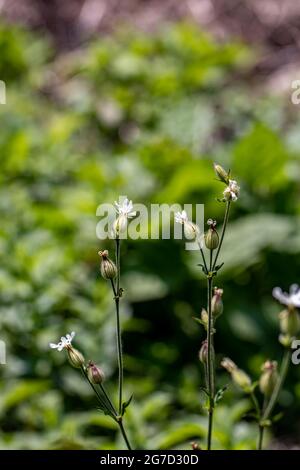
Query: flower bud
{"type": "Point", "coordinates": [108, 268]}
{"type": "Point", "coordinates": [204, 317]}
{"type": "Point", "coordinates": [217, 303]}
{"type": "Point", "coordinates": [191, 230]}
{"type": "Point", "coordinates": [211, 239]}
{"type": "Point", "coordinates": [76, 359]}
{"type": "Point", "coordinates": [95, 374]}
{"type": "Point", "coordinates": [203, 352]}
{"type": "Point", "coordinates": [211, 236]}
{"type": "Point", "coordinates": [268, 378]}
{"type": "Point", "coordinates": [289, 322]}
{"type": "Point", "coordinates": [238, 376]}
{"type": "Point", "coordinates": [195, 446]}
{"type": "Point", "coordinates": [120, 224]}
{"type": "Point", "coordinates": [285, 340]}
{"type": "Point", "coordinates": [221, 173]}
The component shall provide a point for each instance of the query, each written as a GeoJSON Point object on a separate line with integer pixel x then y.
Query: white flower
{"type": "Point", "coordinates": [191, 230]}
{"type": "Point", "coordinates": [125, 208]}
{"type": "Point", "coordinates": [125, 212]}
{"type": "Point", "coordinates": [292, 299]}
{"type": "Point", "coordinates": [65, 342]}
{"type": "Point", "coordinates": [181, 217]}
{"type": "Point", "coordinates": [232, 191]}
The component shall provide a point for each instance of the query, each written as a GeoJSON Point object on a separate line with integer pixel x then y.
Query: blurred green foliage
{"type": "Point", "coordinates": [142, 116]}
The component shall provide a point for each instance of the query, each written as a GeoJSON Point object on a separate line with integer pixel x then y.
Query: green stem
{"type": "Point", "coordinates": [105, 401]}
{"type": "Point", "coordinates": [210, 371]}
{"type": "Point", "coordinates": [256, 405]}
{"type": "Point", "coordinates": [274, 397]}
{"type": "Point", "coordinates": [118, 326]}
{"type": "Point", "coordinates": [121, 426]}
{"type": "Point", "coordinates": [260, 437]}
{"type": "Point", "coordinates": [203, 258]}
{"type": "Point", "coordinates": [283, 373]}
{"type": "Point", "coordinates": [222, 234]}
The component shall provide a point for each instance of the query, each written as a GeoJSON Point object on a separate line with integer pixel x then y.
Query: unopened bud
{"type": "Point", "coordinates": [204, 318]}
{"type": "Point", "coordinates": [238, 376]}
{"type": "Point", "coordinates": [268, 378]}
{"type": "Point", "coordinates": [76, 359]}
{"type": "Point", "coordinates": [191, 230]}
{"type": "Point", "coordinates": [120, 224]}
{"type": "Point", "coordinates": [217, 303]}
{"type": "Point", "coordinates": [108, 268]}
{"type": "Point", "coordinates": [95, 374]}
{"type": "Point", "coordinates": [203, 352]}
{"type": "Point", "coordinates": [195, 446]}
{"type": "Point", "coordinates": [221, 173]}
{"type": "Point", "coordinates": [289, 322]}
{"type": "Point", "coordinates": [212, 236]}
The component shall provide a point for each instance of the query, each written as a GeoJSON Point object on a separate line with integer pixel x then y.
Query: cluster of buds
{"type": "Point", "coordinates": [268, 378]}
{"type": "Point", "coordinates": [211, 237]}
{"type": "Point", "coordinates": [239, 377]}
{"type": "Point", "coordinates": [107, 267]}
{"type": "Point", "coordinates": [76, 358]}
{"type": "Point", "coordinates": [232, 190]}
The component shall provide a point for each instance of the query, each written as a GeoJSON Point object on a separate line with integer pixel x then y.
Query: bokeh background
{"type": "Point", "coordinates": [139, 98]}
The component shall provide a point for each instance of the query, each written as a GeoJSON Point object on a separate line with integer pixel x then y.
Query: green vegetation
{"type": "Point", "coordinates": [144, 117]}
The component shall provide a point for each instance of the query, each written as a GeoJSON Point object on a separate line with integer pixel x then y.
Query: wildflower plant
{"type": "Point", "coordinates": [210, 245]}
{"type": "Point", "coordinates": [93, 374]}
{"type": "Point", "coordinates": [271, 379]}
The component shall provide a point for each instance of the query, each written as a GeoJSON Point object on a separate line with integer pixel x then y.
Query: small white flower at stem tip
{"type": "Point", "coordinates": [291, 299]}
{"type": "Point", "coordinates": [125, 208]}
{"type": "Point", "coordinates": [191, 230]}
{"type": "Point", "coordinates": [125, 212]}
{"type": "Point", "coordinates": [65, 342]}
{"type": "Point", "coordinates": [232, 191]}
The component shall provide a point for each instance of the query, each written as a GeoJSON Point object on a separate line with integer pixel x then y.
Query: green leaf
{"type": "Point", "coordinates": [125, 405]}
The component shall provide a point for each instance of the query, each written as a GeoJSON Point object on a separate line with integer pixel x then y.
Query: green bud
{"type": "Point", "coordinates": [238, 376]}
{"type": "Point", "coordinates": [203, 352]}
{"type": "Point", "coordinates": [191, 230]}
{"type": "Point", "coordinates": [76, 359]}
{"type": "Point", "coordinates": [289, 322]}
{"type": "Point", "coordinates": [120, 225]}
{"type": "Point", "coordinates": [221, 173]}
{"type": "Point", "coordinates": [107, 267]}
{"type": "Point", "coordinates": [204, 317]}
{"type": "Point", "coordinates": [95, 374]}
{"type": "Point", "coordinates": [285, 340]}
{"type": "Point", "coordinates": [211, 237]}
{"type": "Point", "coordinates": [268, 378]}
{"type": "Point", "coordinates": [217, 303]}
{"type": "Point", "coordinates": [241, 379]}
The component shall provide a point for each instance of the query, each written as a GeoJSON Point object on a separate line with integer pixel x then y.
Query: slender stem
{"type": "Point", "coordinates": [210, 371]}
{"type": "Point", "coordinates": [107, 398]}
{"type": "Point", "coordinates": [274, 397]}
{"type": "Point", "coordinates": [203, 258]}
{"type": "Point", "coordinates": [222, 233]}
{"type": "Point", "coordinates": [105, 401]}
{"type": "Point", "coordinates": [118, 326]}
{"type": "Point", "coordinates": [256, 405]}
{"type": "Point", "coordinates": [121, 426]}
{"type": "Point", "coordinates": [283, 372]}
{"type": "Point", "coordinates": [260, 437]}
